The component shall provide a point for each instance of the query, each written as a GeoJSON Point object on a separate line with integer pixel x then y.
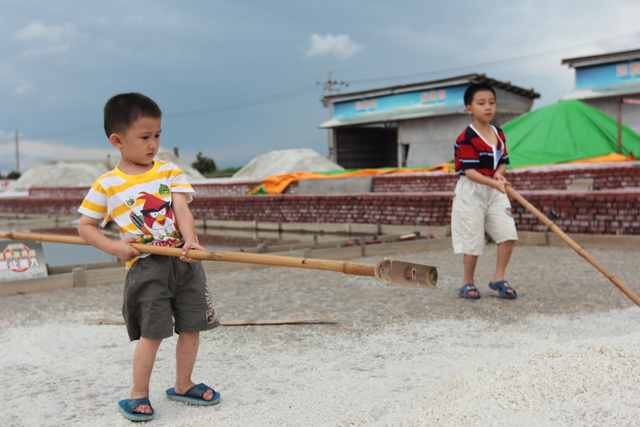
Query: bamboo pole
{"type": "Point", "coordinates": [390, 272]}
{"type": "Point", "coordinates": [576, 247]}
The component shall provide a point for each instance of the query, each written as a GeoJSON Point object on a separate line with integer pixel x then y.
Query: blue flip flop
{"type": "Point", "coordinates": [464, 291]}
{"type": "Point", "coordinates": [127, 406]}
{"type": "Point", "coordinates": [502, 287]}
{"type": "Point", "coordinates": [195, 395]}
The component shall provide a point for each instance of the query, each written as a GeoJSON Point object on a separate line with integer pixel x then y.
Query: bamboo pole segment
{"type": "Point", "coordinates": [238, 322]}
{"type": "Point", "coordinates": [389, 272]}
{"type": "Point", "coordinates": [576, 247]}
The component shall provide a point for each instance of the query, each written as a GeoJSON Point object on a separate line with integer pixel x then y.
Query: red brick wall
{"type": "Point", "coordinates": [225, 189]}
{"type": "Point", "coordinates": [79, 191]}
{"type": "Point", "coordinates": [551, 177]}
{"type": "Point", "coordinates": [371, 208]}
{"type": "Point", "coordinates": [411, 199]}
{"type": "Point", "coordinates": [40, 205]}
{"type": "Point", "coordinates": [202, 189]}
{"type": "Point", "coordinates": [605, 176]}
{"type": "Point", "coordinates": [592, 212]}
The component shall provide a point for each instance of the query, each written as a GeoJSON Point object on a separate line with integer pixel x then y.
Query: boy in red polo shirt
{"type": "Point", "coordinates": [480, 203]}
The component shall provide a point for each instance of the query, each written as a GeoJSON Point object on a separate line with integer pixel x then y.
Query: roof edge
{"type": "Point", "coordinates": [433, 84]}
{"type": "Point", "coordinates": [607, 58]}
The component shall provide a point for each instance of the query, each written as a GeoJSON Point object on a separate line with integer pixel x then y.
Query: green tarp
{"type": "Point", "coordinates": [565, 132]}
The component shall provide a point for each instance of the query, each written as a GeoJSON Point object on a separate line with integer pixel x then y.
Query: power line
{"type": "Point", "coordinates": [249, 103]}
{"type": "Point", "coordinates": [330, 84]}
{"type": "Point", "coordinates": [267, 99]}
{"type": "Point", "coordinates": [63, 134]}
{"type": "Point", "coordinates": [507, 61]}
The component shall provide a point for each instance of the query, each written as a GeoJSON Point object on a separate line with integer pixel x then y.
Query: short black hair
{"type": "Point", "coordinates": [122, 110]}
{"type": "Point", "coordinates": [475, 88]}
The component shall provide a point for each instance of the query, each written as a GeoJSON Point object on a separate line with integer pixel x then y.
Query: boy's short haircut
{"type": "Point", "coordinates": [122, 110]}
{"type": "Point", "coordinates": [475, 88]}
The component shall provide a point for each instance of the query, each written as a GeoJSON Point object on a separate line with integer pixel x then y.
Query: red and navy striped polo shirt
{"type": "Point", "coordinates": [472, 152]}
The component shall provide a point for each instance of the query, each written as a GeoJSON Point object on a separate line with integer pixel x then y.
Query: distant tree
{"type": "Point", "coordinates": [13, 175]}
{"type": "Point", "coordinates": [203, 164]}
{"type": "Point", "coordinates": [228, 171]}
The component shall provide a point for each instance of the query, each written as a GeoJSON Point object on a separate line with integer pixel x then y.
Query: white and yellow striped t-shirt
{"type": "Point", "coordinates": [139, 204]}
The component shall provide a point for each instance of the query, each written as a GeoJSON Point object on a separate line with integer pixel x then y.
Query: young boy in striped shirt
{"type": "Point", "coordinates": [480, 203]}
{"type": "Point", "coordinates": [148, 200]}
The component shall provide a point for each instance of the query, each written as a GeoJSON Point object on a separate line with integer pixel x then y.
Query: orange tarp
{"type": "Point", "coordinates": [611, 157]}
{"type": "Point", "coordinates": [277, 184]}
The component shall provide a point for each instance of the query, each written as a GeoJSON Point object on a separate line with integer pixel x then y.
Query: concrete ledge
{"type": "Point", "coordinates": [94, 277]}
{"type": "Point", "coordinates": [323, 227]}
{"type": "Point", "coordinates": [549, 238]}
{"type": "Point", "coordinates": [60, 281]}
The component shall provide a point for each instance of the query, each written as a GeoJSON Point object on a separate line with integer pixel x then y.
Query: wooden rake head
{"type": "Point", "coordinates": [402, 273]}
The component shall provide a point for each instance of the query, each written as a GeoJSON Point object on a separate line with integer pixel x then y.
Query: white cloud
{"type": "Point", "coordinates": [22, 89]}
{"type": "Point", "coordinates": [39, 32]}
{"type": "Point", "coordinates": [46, 40]}
{"type": "Point", "coordinates": [340, 46]}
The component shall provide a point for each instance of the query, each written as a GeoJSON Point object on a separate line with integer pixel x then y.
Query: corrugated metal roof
{"type": "Point", "coordinates": [393, 116]}
{"type": "Point", "coordinates": [608, 58]}
{"type": "Point", "coordinates": [434, 84]}
{"type": "Point", "coordinates": [604, 92]}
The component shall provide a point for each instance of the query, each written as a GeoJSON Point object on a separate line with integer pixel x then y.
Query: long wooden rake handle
{"type": "Point", "coordinates": [389, 272]}
{"type": "Point", "coordinates": [569, 241]}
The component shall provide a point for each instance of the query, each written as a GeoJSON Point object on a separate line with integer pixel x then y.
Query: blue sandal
{"type": "Point", "coordinates": [195, 395]}
{"type": "Point", "coordinates": [469, 287]}
{"type": "Point", "coordinates": [127, 406]}
{"type": "Point", "coordinates": [503, 287]}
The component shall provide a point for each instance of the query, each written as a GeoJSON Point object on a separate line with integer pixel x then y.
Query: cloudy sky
{"type": "Point", "coordinates": [238, 78]}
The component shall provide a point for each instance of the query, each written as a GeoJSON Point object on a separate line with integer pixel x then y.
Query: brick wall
{"type": "Point", "coordinates": [590, 212]}
{"type": "Point", "coordinates": [371, 208]}
{"type": "Point", "coordinates": [605, 176]}
{"type": "Point", "coordinates": [225, 189]}
{"type": "Point", "coordinates": [73, 192]}
{"type": "Point", "coordinates": [202, 189]}
{"type": "Point", "coordinates": [410, 199]}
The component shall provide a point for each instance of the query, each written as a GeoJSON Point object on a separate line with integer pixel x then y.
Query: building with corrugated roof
{"type": "Point", "coordinates": [610, 83]}
{"type": "Point", "coordinates": [411, 125]}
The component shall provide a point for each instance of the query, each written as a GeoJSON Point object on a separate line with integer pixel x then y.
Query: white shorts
{"type": "Point", "coordinates": [478, 208]}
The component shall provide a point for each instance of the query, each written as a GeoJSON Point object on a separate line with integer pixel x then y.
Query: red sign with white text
{"type": "Point", "coordinates": [21, 260]}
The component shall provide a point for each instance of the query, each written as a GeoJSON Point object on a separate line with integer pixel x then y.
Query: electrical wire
{"type": "Point", "coordinates": [292, 93]}
{"type": "Point", "coordinates": [493, 64]}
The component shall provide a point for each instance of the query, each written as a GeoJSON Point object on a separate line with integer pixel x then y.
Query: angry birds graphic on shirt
{"type": "Point", "coordinates": [155, 217]}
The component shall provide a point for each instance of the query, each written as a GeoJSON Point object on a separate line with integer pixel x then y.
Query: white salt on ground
{"type": "Point", "coordinates": [547, 370]}
{"type": "Point", "coordinates": [60, 174]}
{"type": "Point", "coordinates": [565, 353]}
{"type": "Point", "coordinates": [286, 161]}
{"type": "Point", "coordinates": [84, 172]}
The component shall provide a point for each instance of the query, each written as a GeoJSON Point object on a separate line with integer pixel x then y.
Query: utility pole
{"type": "Point", "coordinates": [17, 154]}
{"type": "Point", "coordinates": [619, 105]}
{"type": "Point", "coordinates": [328, 86]}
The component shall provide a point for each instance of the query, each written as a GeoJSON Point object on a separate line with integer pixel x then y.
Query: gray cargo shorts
{"type": "Point", "coordinates": [160, 288]}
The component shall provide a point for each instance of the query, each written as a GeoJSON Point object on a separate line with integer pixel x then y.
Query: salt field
{"type": "Point", "coordinates": [566, 352]}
